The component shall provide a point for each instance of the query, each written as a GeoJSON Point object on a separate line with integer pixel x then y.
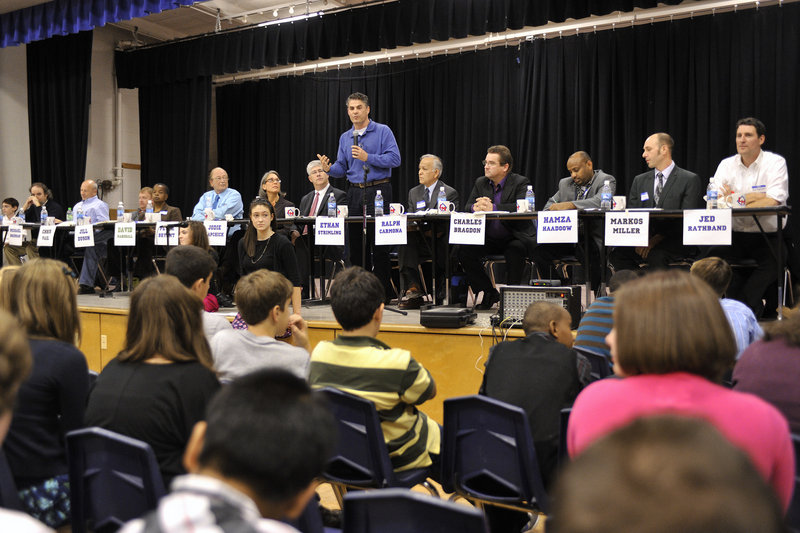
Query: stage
{"type": "Point", "coordinates": [454, 357]}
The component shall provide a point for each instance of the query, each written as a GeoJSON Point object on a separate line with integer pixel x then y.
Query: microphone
{"type": "Point", "coordinates": [355, 138]}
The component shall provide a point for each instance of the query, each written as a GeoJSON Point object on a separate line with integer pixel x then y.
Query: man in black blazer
{"type": "Point", "coordinates": [315, 204]}
{"type": "Point", "coordinates": [498, 190]}
{"type": "Point", "coordinates": [667, 186]}
{"type": "Point", "coordinates": [423, 197]}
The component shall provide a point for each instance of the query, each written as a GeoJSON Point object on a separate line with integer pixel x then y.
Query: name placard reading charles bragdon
{"type": "Point", "coordinates": [707, 226]}
{"type": "Point", "coordinates": [627, 228]}
{"type": "Point", "coordinates": [467, 228]}
{"type": "Point", "coordinates": [390, 229]}
{"type": "Point", "coordinates": [557, 226]}
{"type": "Point", "coordinates": [329, 231]}
{"type": "Point", "coordinates": [217, 231]}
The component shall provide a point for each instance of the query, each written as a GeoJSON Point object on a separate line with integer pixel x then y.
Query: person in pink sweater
{"type": "Point", "coordinates": [671, 344]}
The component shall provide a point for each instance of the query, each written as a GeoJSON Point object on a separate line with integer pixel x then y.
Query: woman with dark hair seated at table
{"type": "Point", "coordinates": [270, 189]}
{"type": "Point", "coordinates": [158, 386]}
{"type": "Point", "coordinates": [263, 247]}
{"type": "Point", "coordinates": [671, 344]}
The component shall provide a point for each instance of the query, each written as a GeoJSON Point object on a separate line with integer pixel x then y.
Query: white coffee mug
{"type": "Point", "coordinates": [618, 203]}
{"type": "Point", "coordinates": [397, 209]}
{"type": "Point", "coordinates": [51, 221]}
{"type": "Point", "coordinates": [342, 211]}
{"type": "Point", "coordinates": [127, 217]}
{"type": "Point", "coordinates": [446, 207]}
{"type": "Point", "coordinates": [522, 206]}
{"type": "Point", "coordinates": [291, 212]}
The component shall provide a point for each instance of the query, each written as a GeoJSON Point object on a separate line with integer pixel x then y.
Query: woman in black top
{"type": "Point", "coordinates": [270, 189]}
{"type": "Point", "coordinates": [263, 247]}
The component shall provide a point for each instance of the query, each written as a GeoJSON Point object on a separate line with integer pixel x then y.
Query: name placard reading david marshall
{"type": "Point", "coordinates": [466, 228]}
{"type": "Point", "coordinates": [390, 229]}
{"type": "Point", "coordinates": [329, 231]}
{"type": "Point", "coordinates": [627, 228]}
{"type": "Point", "coordinates": [707, 226]}
{"type": "Point", "coordinates": [557, 226]}
{"type": "Point", "coordinates": [217, 230]}
{"type": "Point", "coordinates": [125, 234]}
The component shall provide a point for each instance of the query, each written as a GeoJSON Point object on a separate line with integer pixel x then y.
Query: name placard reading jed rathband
{"type": "Point", "coordinates": [217, 231]}
{"type": "Point", "coordinates": [557, 226]}
{"type": "Point", "coordinates": [329, 231]}
{"type": "Point", "coordinates": [46, 234]}
{"type": "Point", "coordinates": [466, 228]}
{"type": "Point", "coordinates": [84, 236]}
{"type": "Point", "coordinates": [707, 226]}
{"type": "Point", "coordinates": [125, 234]}
{"type": "Point", "coordinates": [627, 228]}
{"type": "Point", "coordinates": [390, 229]}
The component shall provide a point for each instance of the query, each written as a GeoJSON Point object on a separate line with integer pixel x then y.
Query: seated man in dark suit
{"type": "Point", "coordinates": [498, 190]}
{"type": "Point", "coordinates": [421, 198]}
{"type": "Point", "coordinates": [581, 190]}
{"type": "Point", "coordinates": [315, 204]}
{"type": "Point", "coordinates": [667, 186]}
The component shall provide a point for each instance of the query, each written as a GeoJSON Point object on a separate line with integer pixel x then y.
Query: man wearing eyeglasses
{"type": "Point", "coordinates": [498, 190]}
{"type": "Point", "coordinates": [221, 199]}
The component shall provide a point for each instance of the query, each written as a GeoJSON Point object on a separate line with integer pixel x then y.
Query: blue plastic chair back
{"type": "Point", "coordinates": [793, 514]}
{"type": "Point", "coordinates": [402, 510]}
{"type": "Point", "coordinates": [113, 479]}
{"type": "Point", "coordinates": [488, 453]}
{"type": "Point", "coordinates": [361, 458]}
{"type": "Point", "coordinates": [601, 365]}
{"type": "Point", "coordinates": [9, 497]}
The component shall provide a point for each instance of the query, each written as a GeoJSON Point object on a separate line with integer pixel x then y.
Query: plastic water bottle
{"type": "Point", "coordinates": [531, 198]}
{"type": "Point", "coordinates": [120, 212]}
{"type": "Point", "coordinates": [149, 209]}
{"type": "Point", "coordinates": [79, 220]}
{"type": "Point", "coordinates": [209, 212]}
{"type": "Point", "coordinates": [378, 203]}
{"type": "Point", "coordinates": [69, 214]}
{"type": "Point", "coordinates": [331, 205]}
{"type": "Point", "coordinates": [605, 196]}
{"type": "Point", "coordinates": [43, 216]}
{"type": "Point", "coordinates": [440, 200]}
{"type": "Point", "coordinates": [711, 195]}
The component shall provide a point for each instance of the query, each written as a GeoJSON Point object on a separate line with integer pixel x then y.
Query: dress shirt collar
{"type": "Point", "coordinates": [433, 188]}
{"type": "Point", "coordinates": [754, 164]}
{"type": "Point", "coordinates": [194, 483]}
{"type": "Point", "coordinates": [666, 172]}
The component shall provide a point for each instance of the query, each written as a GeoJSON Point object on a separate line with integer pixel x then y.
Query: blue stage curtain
{"type": "Point", "coordinates": [65, 17]}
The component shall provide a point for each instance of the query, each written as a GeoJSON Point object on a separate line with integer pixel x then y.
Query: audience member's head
{"type": "Point", "coordinates": [194, 233]}
{"type": "Point", "coordinates": [663, 474]}
{"type": "Point", "coordinates": [268, 432]}
{"type": "Point", "coordinates": [164, 320]}
{"type": "Point", "coordinates": [264, 294]}
{"type": "Point", "coordinates": [715, 271]}
{"type": "Point", "coordinates": [357, 298]}
{"type": "Point", "coordinates": [192, 266]}
{"type": "Point", "coordinates": [7, 274]}
{"type": "Point", "coordinates": [620, 278]}
{"type": "Point", "coordinates": [549, 318]}
{"type": "Point", "coordinates": [15, 363]}
{"type": "Point", "coordinates": [787, 329]}
{"type": "Point", "coordinates": [46, 302]}
{"type": "Point", "coordinates": [667, 322]}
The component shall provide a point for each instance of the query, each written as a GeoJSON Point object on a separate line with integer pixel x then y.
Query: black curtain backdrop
{"type": "Point", "coordinates": [174, 127]}
{"type": "Point", "coordinates": [59, 93]}
{"type": "Point", "coordinates": [368, 29]}
{"type": "Point", "coordinates": [603, 93]}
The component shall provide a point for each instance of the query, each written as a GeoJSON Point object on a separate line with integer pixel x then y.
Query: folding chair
{"type": "Point", "coordinates": [601, 367]}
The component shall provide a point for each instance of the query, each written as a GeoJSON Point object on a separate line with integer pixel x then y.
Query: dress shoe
{"type": "Point", "coordinates": [224, 300]}
{"type": "Point", "coordinates": [411, 303]}
{"type": "Point", "coordinates": [414, 292]}
{"type": "Point", "coordinates": [489, 299]}
{"type": "Point", "coordinates": [85, 289]}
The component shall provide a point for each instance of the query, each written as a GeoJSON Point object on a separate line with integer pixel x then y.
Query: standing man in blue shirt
{"type": "Point", "coordinates": [367, 154]}
{"type": "Point", "coordinates": [95, 210]}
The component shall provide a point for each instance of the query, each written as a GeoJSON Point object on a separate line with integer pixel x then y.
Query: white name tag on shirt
{"type": "Point", "coordinates": [329, 231]}
{"type": "Point", "coordinates": [46, 235]}
{"type": "Point", "coordinates": [467, 228]}
{"type": "Point", "coordinates": [84, 236]}
{"type": "Point", "coordinates": [15, 235]}
{"type": "Point", "coordinates": [217, 232]}
{"type": "Point", "coordinates": [390, 229]}
{"type": "Point", "coordinates": [421, 205]}
{"type": "Point", "coordinates": [707, 226]}
{"type": "Point", "coordinates": [628, 228]}
{"type": "Point", "coordinates": [125, 234]}
{"type": "Point", "coordinates": [557, 226]}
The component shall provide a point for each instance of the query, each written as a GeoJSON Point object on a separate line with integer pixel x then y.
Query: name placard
{"type": "Point", "coordinates": [707, 226]}
{"type": "Point", "coordinates": [557, 226]}
{"type": "Point", "coordinates": [46, 236]}
{"type": "Point", "coordinates": [15, 235]}
{"type": "Point", "coordinates": [390, 229]}
{"type": "Point", "coordinates": [467, 228]}
{"type": "Point", "coordinates": [217, 231]}
{"type": "Point", "coordinates": [166, 234]}
{"type": "Point", "coordinates": [84, 236]}
{"type": "Point", "coordinates": [125, 234]}
{"type": "Point", "coordinates": [329, 231]}
{"type": "Point", "coordinates": [627, 228]}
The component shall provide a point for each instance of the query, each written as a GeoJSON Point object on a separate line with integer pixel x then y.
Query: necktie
{"type": "Point", "coordinates": [659, 187]}
{"type": "Point", "coordinates": [216, 201]}
{"type": "Point", "coordinates": [313, 210]}
{"type": "Point", "coordinates": [427, 196]}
